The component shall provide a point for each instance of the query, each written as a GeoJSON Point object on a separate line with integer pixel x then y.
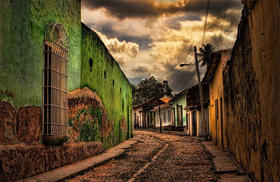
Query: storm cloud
{"type": "Point", "coordinates": [152, 37]}
{"type": "Point", "coordinates": [155, 8]}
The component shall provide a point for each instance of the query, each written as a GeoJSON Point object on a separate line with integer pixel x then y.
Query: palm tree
{"type": "Point", "coordinates": [205, 54]}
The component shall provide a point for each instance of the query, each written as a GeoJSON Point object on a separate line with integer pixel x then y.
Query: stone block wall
{"type": "Point", "coordinates": [20, 124]}
{"type": "Point", "coordinates": [21, 161]}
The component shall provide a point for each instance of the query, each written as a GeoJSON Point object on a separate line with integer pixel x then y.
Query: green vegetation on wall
{"type": "Point", "coordinates": [101, 73]}
{"type": "Point", "coordinates": [88, 123]}
{"type": "Point", "coordinates": [22, 27]}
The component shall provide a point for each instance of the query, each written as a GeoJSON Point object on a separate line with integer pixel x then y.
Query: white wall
{"type": "Point", "coordinates": [138, 115]}
{"type": "Point", "coordinates": [166, 117]}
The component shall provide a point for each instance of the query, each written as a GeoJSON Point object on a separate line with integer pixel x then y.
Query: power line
{"type": "Point", "coordinates": [205, 22]}
{"type": "Point", "coordinates": [222, 27]}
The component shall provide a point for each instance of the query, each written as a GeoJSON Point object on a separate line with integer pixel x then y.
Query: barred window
{"type": "Point", "coordinates": [55, 80]}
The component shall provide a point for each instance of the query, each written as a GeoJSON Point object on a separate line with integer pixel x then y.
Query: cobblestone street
{"type": "Point", "coordinates": [178, 158]}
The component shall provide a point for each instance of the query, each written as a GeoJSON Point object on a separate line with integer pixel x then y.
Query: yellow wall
{"type": "Point", "coordinates": [216, 92]}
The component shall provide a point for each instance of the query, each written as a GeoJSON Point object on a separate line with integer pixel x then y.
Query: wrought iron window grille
{"type": "Point", "coordinates": [55, 76]}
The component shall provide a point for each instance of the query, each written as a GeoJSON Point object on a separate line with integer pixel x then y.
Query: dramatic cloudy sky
{"type": "Point", "coordinates": [152, 37]}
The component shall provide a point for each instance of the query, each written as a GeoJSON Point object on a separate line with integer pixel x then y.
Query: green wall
{"type": "Point", "coordinates": [181, 100]}
{"type": "Point", "coordinates": [114, 89]}
{"type": "Point", "coordinates": [22, 27]}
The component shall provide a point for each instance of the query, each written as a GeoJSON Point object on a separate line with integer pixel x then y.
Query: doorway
{"type": "Point", "coordinates": [221, 111]}
{"type": "Point", "coordinates": [194, 123]}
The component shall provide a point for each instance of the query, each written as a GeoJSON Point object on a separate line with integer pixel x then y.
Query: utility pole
{"type": "Point", "coordinates": [160, 122]}
{"type": "Point", "coordinates": [200, 94]}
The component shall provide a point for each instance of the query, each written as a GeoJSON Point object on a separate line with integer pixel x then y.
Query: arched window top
{"type": "Point", "coordinates": [55, 32]}
{"type": "Point", "coordinates": [55, 76]}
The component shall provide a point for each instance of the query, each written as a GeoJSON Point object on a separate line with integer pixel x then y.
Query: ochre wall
{"type": "Point", "coordinates": [22, 28]}
{"type": "Point", "coordinates": [114, 89]}
{"type": "Point", "coordinates": [216, 92]}
{"type": "Point", "coordinates": [252, 92]}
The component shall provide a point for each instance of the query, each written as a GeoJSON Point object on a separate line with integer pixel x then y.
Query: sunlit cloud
{"type": "Point", "coordinates": [152, 37]}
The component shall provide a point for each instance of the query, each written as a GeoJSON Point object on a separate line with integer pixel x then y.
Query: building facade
{"type": "Point", "coordinates": [142, 115]}
{"type": "Point", "coordinates": [180, 115]}
{"type": "Point", "coordinates": [46, 53]}
{"type": "Point", "coordinates": [165, 114]}
{"type": "Point", "coordinates": [194, 113]}
{"type": "Point", "coordinates": [214, 78]}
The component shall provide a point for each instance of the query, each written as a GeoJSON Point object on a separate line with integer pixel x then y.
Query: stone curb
{"type": "Point", "coordinates": [83, 165]}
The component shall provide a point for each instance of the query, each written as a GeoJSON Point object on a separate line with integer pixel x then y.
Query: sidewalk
{"type": "Point", "coordinates": [75, 168]}
{"type": "Point", "coordinates": [226, 168]}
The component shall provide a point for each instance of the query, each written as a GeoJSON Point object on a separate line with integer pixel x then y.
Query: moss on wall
{"type": "Point", "coordinates": [101, 73]}
{"type": "Point", "coordinates": [22, 27]}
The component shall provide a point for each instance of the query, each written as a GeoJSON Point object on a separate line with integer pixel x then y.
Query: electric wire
{"type": "Point", "coordinates": [222, 26]}
{"type": "Point", "coordinates": [205, 22]}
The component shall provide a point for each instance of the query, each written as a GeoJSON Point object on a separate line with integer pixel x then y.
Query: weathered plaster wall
{"type": "Point", "coordinates": [101, 73]}
{"type": "Point", "coordinates": [252, 92]}
{"type": "Point", "coordinates": [22, 27]}
{"type": "Point", "coordinates": [181, 101]}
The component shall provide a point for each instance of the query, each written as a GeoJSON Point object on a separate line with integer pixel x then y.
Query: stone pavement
{"type": "Point", "coordinates": [225, 166]}
{"type": "Point", "coordinates": [126, 167]}
{"type": "Point", "coordinates": [84, 165]}
{"type": "Point", "coordinates": [157, 157]}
